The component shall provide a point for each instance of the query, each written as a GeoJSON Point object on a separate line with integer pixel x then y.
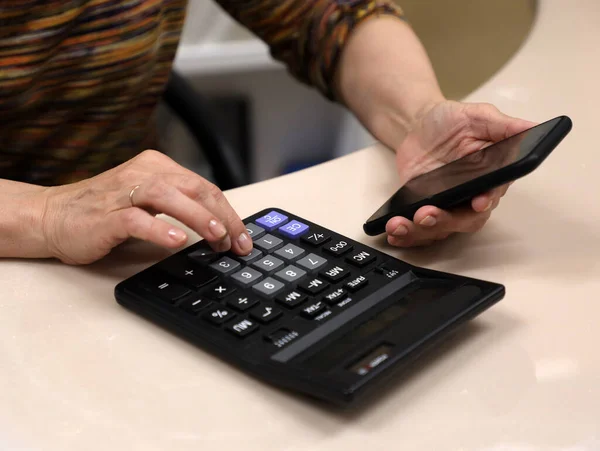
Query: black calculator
{"type": "Point", "coordinates": [308, 310]}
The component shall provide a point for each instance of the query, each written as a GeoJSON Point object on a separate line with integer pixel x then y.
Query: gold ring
{"type": "Point", "coordinates": [131, 195]}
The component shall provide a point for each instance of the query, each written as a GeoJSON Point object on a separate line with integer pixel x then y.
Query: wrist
{"type": "Point", "coordinates": [22, 225]}
{"type": "Point", "coordinates": [385, 78]}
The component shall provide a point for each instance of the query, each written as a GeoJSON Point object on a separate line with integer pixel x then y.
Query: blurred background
{"type": "Point", "coordinates": [276, 125]}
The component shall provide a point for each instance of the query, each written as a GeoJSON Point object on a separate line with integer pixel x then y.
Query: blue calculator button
{"type": "Point", "coordinates": [272, 220]}
{"type": "Point", "coordinates": [293, 229]}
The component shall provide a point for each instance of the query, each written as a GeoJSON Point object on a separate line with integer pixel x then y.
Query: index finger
{"type": "Point", "coordinates": [214, 200]}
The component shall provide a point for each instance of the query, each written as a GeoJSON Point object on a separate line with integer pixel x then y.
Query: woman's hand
{"type": "Point", "coordinates": [445, 132]}
{"type": "Point", "coordinates": [83, 221]}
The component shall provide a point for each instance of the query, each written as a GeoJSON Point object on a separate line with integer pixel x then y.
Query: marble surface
{"type": "Point", "coordinates": [78, 372]}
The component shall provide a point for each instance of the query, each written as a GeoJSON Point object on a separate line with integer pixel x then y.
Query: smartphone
{"type": "Point", "coordinates": [457, 183]}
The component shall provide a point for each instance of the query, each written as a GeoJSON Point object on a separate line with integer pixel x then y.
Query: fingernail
{"type": "Point", "coordinates": [177, 235]}
{"type": "Point", "coordinates": [244, 242]}
{"type": "Point", "coordinates": [217, 228]}
{"type": "Point", "coordinates": [224, 245]}
{"type": "Point", "coordinates": [429, 221]}
{"type": "Point", "coordinates": [401, 230]}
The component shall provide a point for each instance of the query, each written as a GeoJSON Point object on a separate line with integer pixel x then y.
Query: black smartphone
{"type": "Point", "coordinates": [458, 182]}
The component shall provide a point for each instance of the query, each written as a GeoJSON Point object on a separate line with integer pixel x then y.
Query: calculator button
{"type": "Point", "coordinates": [291, 299]}
{"type": "Point", "coordinates": [389, 273]}
{"type": "Point", "coordinates": [254, 255]}
{"type": "Point", "coordinates": [313, 286]}
{"type": "Point", "coordinates": [194, 304]}
{"type": "Point", "coordinates": [191, 275]}
{"type": "Point", "coordinates": [290, 252]}
{"type": "Point", "coordinates": [361, 258]}
{"type": "Point", "coordinates": [268, 287]}
{"type": "Point", "coordinates": [219, 290]}
{"type": "Point", "coordinates": [247, 276]}
{"type": "Point", "coordinates": [242, 328]}
{"type": "Point", "coordinates": [254, 231]}
{"type": "Point", "coordinates": [339, 247]}
{"type": "Point", "coordinates": [218, 315]}
{"type": "Point", "coordinates": [225, 265]}
{"type": "Point", "coordinates": [335, 296]}
{"type": "Point", "coordinates": [293, 229]}
{"type": "Point", "coordinates": [311, 262]}
{"type": "Point", "coordinates": [203, 255]}
{"type": "Point", "coordinates": [268, 264]}
{"type": "Point", "coordinates": [356, 284]}
{"type": "Point", "coordinates": [272, 220]}
{"type": "Point", "coordinates": [290, 274]}
{"type": "Point", "coordinates": [265, 314]}
{"type": "Point", "coordinates": [313, 310]}
{"type": "Point", "coordinates": [268, 242]}
{"type": "Point", "coordinates": [316, 238]}
{"type": "Point", "coordinates": [167, 291]}
{"type": "Point", "coordinates": [335, 273]}
{"type": "Point", "coordinates": [242, 303]}
{"type": "Point", "coordinates": [282, 337]}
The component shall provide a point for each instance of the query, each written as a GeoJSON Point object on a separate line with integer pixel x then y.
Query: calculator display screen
{"type": "Point", "coordinates": [465, 169]}
{"type": "Point", "coordinates": [345, 345]}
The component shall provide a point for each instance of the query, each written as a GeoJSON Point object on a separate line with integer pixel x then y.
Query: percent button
{"type": "Point", "coordinates": [218, 315]}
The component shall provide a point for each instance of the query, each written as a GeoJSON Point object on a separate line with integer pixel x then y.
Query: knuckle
{"type": "Point", "coordinates": [214, 191]}
{"type": "Point", "coordinates": [132, 222]}
{"type": "Point", "coordinates": [159, 189]}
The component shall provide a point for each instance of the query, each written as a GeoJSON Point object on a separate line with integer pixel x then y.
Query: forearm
{"type": "Point", "coordinates": [21, 216]}
{"type": "Point", "coordinates": [386, 79]}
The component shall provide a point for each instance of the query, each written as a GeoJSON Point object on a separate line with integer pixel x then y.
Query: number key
{"type": "Point", "coordinates": [268, 287]}
{"type": "Point", "coordinates": [290, 274]}
{"type": "Point", "coordinates": [247, 276]}
{"type": "Point", "coordinates": [311, 262]}
{"type": "Point", "coordinates": [268, 264]}
{"type": "Point", "coordinates": [339, 247]}
{"type": "Point", "coordinates": [254, 231]}
{"type": "Point", "coordinates": [225, 265]}
{"type": "Point", "coordinates": [255, 254]}
{"type": "Point", "coordinates": [268, 242]}
{"type": "Point", "coordinates": [290, 252]}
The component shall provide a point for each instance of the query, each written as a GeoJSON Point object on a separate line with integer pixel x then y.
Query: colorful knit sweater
{"type": "Point", "coordinates": [80, 79]}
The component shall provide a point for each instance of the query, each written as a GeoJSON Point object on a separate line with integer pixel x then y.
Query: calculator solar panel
{"type": "Point", "coordinates": [308, 309]}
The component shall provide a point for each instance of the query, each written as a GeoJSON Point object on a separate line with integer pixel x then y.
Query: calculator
{"type": "Point", "coordinates": [308, 310]}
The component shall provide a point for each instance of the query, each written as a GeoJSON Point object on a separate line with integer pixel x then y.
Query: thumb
{"type": "Point", "coordinates": [491, 124]}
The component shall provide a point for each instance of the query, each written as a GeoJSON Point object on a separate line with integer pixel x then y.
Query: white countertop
{"type": "Point", "coordinates": [78, 372]}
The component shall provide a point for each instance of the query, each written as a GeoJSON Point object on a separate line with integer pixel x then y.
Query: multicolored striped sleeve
{"type": "Point", "coordinates": [308, 35]}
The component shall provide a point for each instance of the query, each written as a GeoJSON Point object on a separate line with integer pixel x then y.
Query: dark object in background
{"type": "Point", "coordinates": [225, 151]}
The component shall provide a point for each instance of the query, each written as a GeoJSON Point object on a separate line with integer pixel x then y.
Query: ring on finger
{"type": "Point", "coordinates": [131, 193]}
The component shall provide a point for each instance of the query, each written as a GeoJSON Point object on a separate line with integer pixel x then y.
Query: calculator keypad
{"type": "Point", "coordinates": [247, 276]}
{"type": "Point", "coordinates": [295, 272]}
{"type": "Point", "coordinates": [268, 264]}
{"type": "Point", "coordinates": [268, 242]}
{"type": "Point", "coordinates": [290, 274]}
{"type": "Point", "coordinates": [268, 287]}
{"type": "Point", "coordinates": [225, 265]}
{"type": "Point", "coordinates": [290, 252]}
{"type": "Point", "coordinates": [311, 262]}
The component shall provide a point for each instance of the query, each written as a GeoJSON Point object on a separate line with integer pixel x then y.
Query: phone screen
{"type": "Point", "coordinates": [465, 169]}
